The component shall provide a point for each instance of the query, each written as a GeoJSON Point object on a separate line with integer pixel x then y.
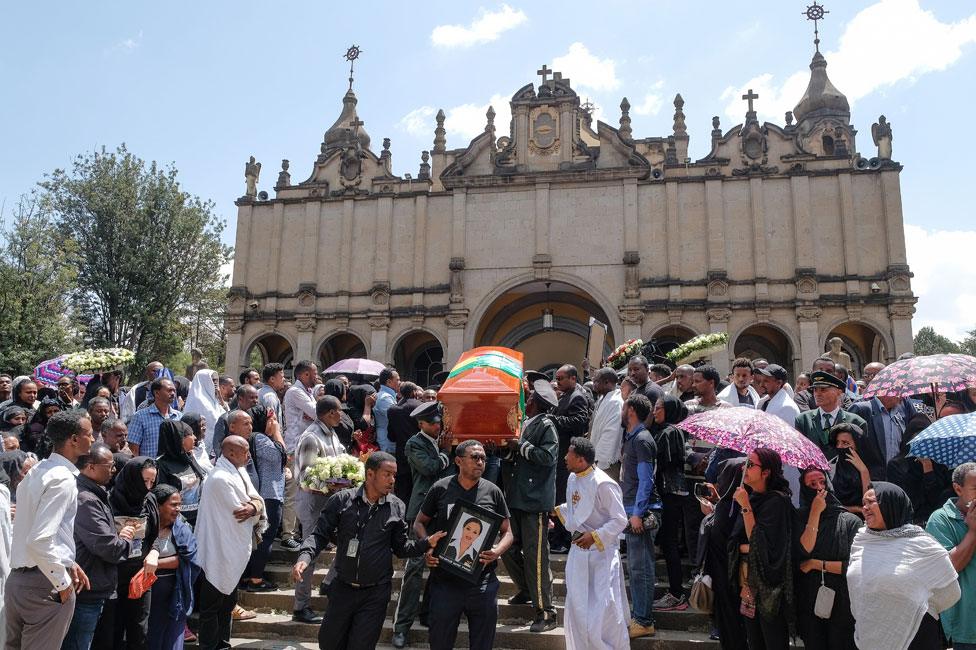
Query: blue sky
{"type": "Point", "coordinates": [205, 85]}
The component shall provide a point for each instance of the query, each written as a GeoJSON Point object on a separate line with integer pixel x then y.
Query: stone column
{"type": "Point", "coordinates": [456, 321]}
{"type": "Point", "coordinates": [232, 349]}
{"type": "Point", "coordinates": [303, 343]}
{"type": "Point", "coordinates": [379, 327]}
{"type": "Point", "coordinates": [901, 329]}
{"type": "Point", "coordinates": [718, 321]}
{"type": "Point", "coordinates": [809, 320]}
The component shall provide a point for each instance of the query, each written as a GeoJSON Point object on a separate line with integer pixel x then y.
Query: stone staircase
{"type": "Point", "coordinates": [274, 629]}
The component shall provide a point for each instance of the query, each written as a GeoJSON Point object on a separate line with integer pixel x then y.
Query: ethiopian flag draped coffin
{"type": "Point", "coordinates": [482, 397]}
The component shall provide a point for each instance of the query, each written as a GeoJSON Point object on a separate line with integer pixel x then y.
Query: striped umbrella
{"type": "Point", "coordinates": [50, 371]}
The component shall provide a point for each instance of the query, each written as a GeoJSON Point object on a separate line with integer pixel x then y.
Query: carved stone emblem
{"type": "Point", "coordinates": [305, 324]}
{"type": "Point", "coordinates": [718, 315]}
{"type": "Point", "coordinates": [754, 142]}
{"type": "Point", "coordinates": [901, 310]}
{"type": "Point", "coordinates": [807, 284]}
{"type": "Point", "coordinates": [544, 139]}
{"type": "Point", "coordinates": [854, 311]}
{"type": "Point", "coordinates": [631, 316]}
{"type": "Point", "coordinates": [306, 295]}
{"type": "Point", "coordinates": [234, 324]}
{"type": "Point", "coordinates": [718, 288]}
{"type": "Point", "coordinates": [379, 322]}
{"type": "Point", "coordinates": [808, 313]}
{"type": "Point", "coordinates": [900, 283]}
{"type": "Point", "coordinates": [380, 295]}
{"type": "Point", "coordinates": [456, 318]}
{"type": "Point", "coordinates": [762, 313]}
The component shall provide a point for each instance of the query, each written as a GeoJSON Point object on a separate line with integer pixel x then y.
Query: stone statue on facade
{"type": "Point", "coordinates": [881, 133]}
{"type": "Point", "coordinates": [836, 354]}
{"type": "Point", "coordinates": [252, 170]}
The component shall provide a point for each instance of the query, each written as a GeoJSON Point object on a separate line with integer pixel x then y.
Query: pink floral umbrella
{"type": "Point", "coordinates": [744, 429]}
{"type": "Point", "coordinates": [933, 373]}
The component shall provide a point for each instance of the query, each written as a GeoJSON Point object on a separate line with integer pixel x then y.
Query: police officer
{"type": "Point", "coordinates": [529, 469]}
{"type": "Point", "coordinates": [427, 453]}
{"type": "Point", "coordinates": [453, 595]}
{"type": "Point", "coordinates": [367, 526]}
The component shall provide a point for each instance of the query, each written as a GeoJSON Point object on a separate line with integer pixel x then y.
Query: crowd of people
{"type": "Point", "coordinates": [131, 517]}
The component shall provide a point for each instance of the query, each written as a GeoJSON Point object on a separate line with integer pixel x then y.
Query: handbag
{"type": "Point", "coordinates": [140, 584]}
{"type": "Point", "coordinates": [702, 597]}
{"type": "Point", "coordinates": [824, 603]}
{"type": "Point", "coordinates": [650, 521]}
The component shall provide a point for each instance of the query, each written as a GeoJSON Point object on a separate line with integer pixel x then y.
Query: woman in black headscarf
{"type": "Point", "coordinates": [900, 578]}
{"type": "Point", "coordinates": [130, 620]}
{"type": "Point", "coordinates": [670, 482]}
{"type": "Point", "coordinates": [13, 417]}
{"type": "Point", "coordinates": [177, 466]}
{"type": "Point", "coordinates": [824, 533]}
{"type": "Point", "coordinates": [345, 428]}
{"type": "Point", "coordinates": [717, 540]}
{"type": "Point", "coordinates": [928, 484]}
{"type": "Point", "coordinates": [361, 399]}
{"type": "Point", "coordinates": [23, 393]}
{"type": "Point", "coordinates": [761, 555]}
{"type": "Point", "coordinates": [34, 440]}
{"type": "Point", "coordinates": [848, 473]}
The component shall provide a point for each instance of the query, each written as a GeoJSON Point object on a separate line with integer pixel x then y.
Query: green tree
{"type": "Point", "coordinates": [37, 278]}
{"type": "Point", "coordinates": [928, 341]}
{"type": "Point", "coordinates": [968, 344]}
{"type": "Point", "coordinates": [150, 252]}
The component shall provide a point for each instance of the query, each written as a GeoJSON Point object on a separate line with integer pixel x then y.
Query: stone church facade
{"type": "Point", "coordinates": [783, 236]}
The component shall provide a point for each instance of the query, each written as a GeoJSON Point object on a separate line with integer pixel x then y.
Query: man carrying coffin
{"type": "Point", "coordinates": [597, 612]}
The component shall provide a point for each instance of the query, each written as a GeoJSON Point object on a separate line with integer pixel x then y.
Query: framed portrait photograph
{"type": "Point", "coordinates": [471, 530]}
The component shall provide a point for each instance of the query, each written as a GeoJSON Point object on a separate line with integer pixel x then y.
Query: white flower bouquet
{"type": "Point", "coordinates": [700, 347]}
{"type": "Point", "coordinates": [104, 359]}
{"type": "Point", "coordinates": [622, 354]}
{"type": "Point", "coordinates": [332, 473]}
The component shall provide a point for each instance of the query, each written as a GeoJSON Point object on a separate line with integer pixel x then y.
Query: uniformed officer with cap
{"type": "Point", "coordinates": [529, 468]}
{"type": "Point", "coordinates": [828, 393]}
{"type": "Point", "coordinates": [427, 454]}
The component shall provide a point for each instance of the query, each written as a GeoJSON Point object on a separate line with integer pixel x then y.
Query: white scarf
{"type": "Point", "coordinates": [895, 577]}
{"type": "Point", "coordinates": [202, 400]}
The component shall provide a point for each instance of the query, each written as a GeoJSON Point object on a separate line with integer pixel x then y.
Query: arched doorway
{"type": "Point", "coordinates": [344, 345]}
{"type": "Point", "coordinates": [515, 320]}
{"type": "Point", "coordinates": [765, 342]}
{"type": "Point", "coordinates": [671, 336]}
{"type": "Point", "coordinates": [861, 342]}
{"type": "Point", "coordinates": [418, 356]}
{"type": "Point", "coordinates": [270, 348]}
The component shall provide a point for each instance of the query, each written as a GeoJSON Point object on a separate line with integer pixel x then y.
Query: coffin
{"type": "Point", "coordinates": [482, 396]}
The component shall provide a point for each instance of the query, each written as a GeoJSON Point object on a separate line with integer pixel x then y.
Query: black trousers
{"type": "Point", "coordinates": [452, 597]}
{"type": "Point", "coordinates": [216, 609]}
{"type": "Point", "coordinates": [354, 616]}
{"type": "Point", "coordinates": [767, 633]}
{"type": "Point", "coordinates": [669, 538]}
{"type": "Point", "coordinates": [131, 622]}
{"type": "Point", "coordinates": [559, 536]}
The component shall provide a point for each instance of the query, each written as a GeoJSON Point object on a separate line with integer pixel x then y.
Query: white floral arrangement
{"type": "Point", "coordinates": [700, 347]}
{"type": "Point", "coordinates": [98, 360]}
{"type": "Point", "coordinates": [331, 473]}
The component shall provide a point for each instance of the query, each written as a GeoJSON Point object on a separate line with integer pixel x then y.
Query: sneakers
{"type": "Point", "coordinates": [306, 615]}
{"type": "Point", "coordinates": [291, 544]}
{"type": "Point", "coordinates": [670, 603]}
{"type": "Point", "coordinates": [259, 587]}
{"type": "Point", "coordinates": [637, 630]}
{"type": "Point", "coordinates": [545, 622]}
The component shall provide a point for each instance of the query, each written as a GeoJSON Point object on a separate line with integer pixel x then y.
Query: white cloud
{"type": "Point", "coordinates": [886, 43]}
{"type": "Point", "coordinates": [126, 44]}
{"type": "Point", "coordinates": [463, 122]}
{"type": "Point", "coordinates": [487, 27]}
{"type": "Point", "coordinates": [586, 70]}
{"type": "Point", "coordinates": [940, 260]}
{"type": "Point", "coordinates": [227, 272]}
{"type": "Point", "coordinates": [653, 101]}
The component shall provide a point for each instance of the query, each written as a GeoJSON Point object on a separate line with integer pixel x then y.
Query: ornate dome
{"type": "Point", "coordinates": [343, 132]}
{"type": "Point", "coordinates": [821, 99]}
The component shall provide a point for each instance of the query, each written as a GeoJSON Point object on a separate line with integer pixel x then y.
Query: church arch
{"type": "Point", "coordinates": [418, 355]}
{"type": "Point", "coordinates": [670, 336]}
{"type": "Point", "coordinates": [862, 340]}
{"type": "Point", "coordinates": [767, 340]}
{"type": "Point", "coordinates": [338, 345]}
{"type": "Point", "coordinates": [512, 316]}
{"type": "Point", "coordinates": [269, 347]}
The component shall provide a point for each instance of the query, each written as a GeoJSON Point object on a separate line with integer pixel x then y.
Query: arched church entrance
{"type": "Point", "coordinates": [669, 337]}
{"type": "Point", "coordinates": [549, 325]}
{"type": "Point", "coordinates": [861, 342]}
{"type": "Point", "coordinates": [418, 356]}
{"type": "Point", "coordinates": [270, 348]}
{"type": "Point", "coordinates": [344, 345]}
{"type": "Point", "coordinates": [765, 342]}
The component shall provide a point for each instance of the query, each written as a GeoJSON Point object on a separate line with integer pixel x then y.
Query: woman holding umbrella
{"type": "Point", "coordinates": [762, 538]}
{"type": "Point", "coordinates": [825, 531]}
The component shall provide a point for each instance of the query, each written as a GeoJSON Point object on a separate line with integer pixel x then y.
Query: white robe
{"type": "Point", "coordinates": [6, 538]}
{"type": "Point", "coordinates": [202, 400]}
{"type": "Point", "coordinates": [597, 613]}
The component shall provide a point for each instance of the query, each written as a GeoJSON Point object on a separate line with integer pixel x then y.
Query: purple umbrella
{"type": "Point", "coordinates": [355, 367]}
{"type": "Point", "coordinates": [50, 371]}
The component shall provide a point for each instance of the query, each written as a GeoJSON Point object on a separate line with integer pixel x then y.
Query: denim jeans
{"type": "Point", "coordinates": [640, 566]}
{"type": "Point", "coordinates": [83, 624]}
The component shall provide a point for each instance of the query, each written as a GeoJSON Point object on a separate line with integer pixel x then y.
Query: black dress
{"type": "Point", "coordinates": [927, 491]}
{"type": "Point", "coordinates": [717, 538]}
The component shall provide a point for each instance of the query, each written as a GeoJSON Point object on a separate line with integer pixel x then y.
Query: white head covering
{"type": "Point", "coordinates": [202, 400]}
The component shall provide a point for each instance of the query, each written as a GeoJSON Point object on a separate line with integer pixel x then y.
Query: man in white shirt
{"type": "Point", "coordinates": [779, 402]}
{"type": "Point", "coordinates": [606, 431]}
{"type": "Point", "coordinates": [299, 411]}
{"type": "Point", "coordinates": [740, 392]}
{"type": "Point", "coordinates": [39, 595]}
{"type": "Point", "coordinates": [230, 513]}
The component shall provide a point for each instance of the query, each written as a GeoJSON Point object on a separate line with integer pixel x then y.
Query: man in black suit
{"type": "Point", "coordinates": [886, 418]}
{"type": "Point", "coordinates": [572, 418]}
{"type": "Point", "coordinates": [401, 427]}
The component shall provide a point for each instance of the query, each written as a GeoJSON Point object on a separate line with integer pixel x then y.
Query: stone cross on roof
{"type": "Point", "coordinates": [749, 96]}
{"type": "Point", "coordinates": [356, 123]}
{"type": "Point", "coordinates": [544, 72]}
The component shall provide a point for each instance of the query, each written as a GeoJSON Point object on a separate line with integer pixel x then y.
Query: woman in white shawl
{"type": "Point", "coordinates": [202, 400]}
{"type": "Point", "coordinates": [900, 578]}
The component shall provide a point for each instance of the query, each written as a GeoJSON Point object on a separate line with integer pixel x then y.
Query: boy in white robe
{"type": "Point", "coordinates": [597, 613]}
